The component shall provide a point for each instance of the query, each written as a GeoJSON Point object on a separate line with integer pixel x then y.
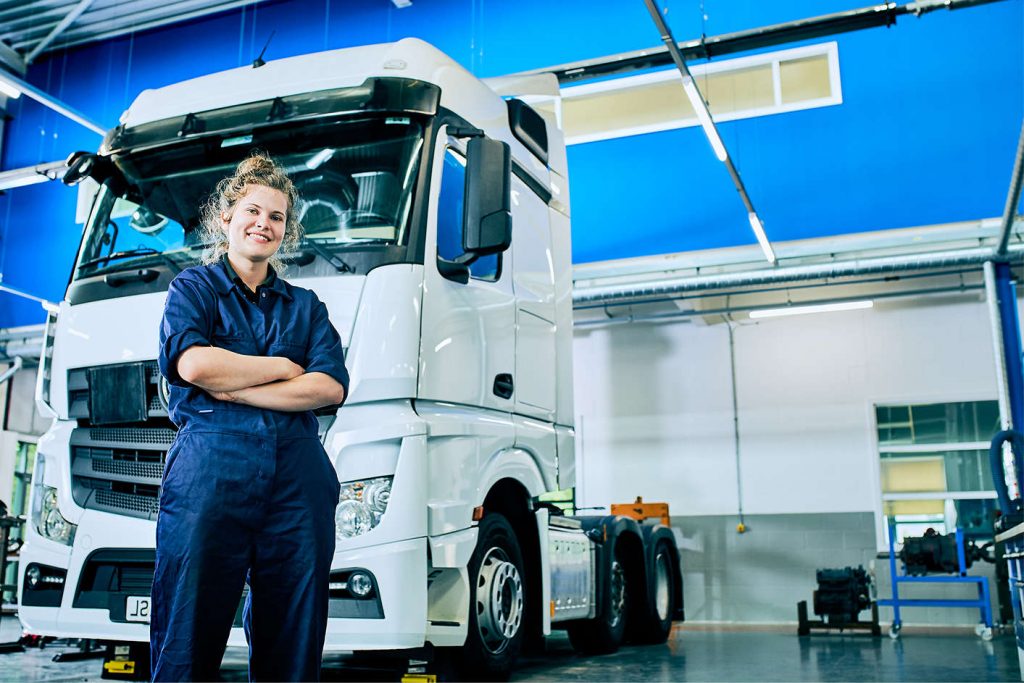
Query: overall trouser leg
{"type": "Point", "coordinates": [286, 612]}
{"type": "Point", "coordinates": [204, 542]}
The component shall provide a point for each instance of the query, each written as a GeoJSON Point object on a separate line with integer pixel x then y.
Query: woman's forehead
{"type": "Point", "coordinates": [265, 197]}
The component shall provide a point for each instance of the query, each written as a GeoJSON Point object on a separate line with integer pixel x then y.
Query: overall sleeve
{"type": "Point", "coordinates": [188, 321]}
{"type": "Point", "coordinates": [324, 353]}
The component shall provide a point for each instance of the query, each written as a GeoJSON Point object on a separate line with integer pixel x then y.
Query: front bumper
{"type": "Point", "coordinates": [96, 530]}
{"type": "Point", "coordinates": [399, 570]}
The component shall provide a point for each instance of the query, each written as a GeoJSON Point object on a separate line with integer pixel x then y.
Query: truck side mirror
{"type": "Point", "coordinates": [82, 165]}
{"type": "Point", "coordinates": [488, 208]}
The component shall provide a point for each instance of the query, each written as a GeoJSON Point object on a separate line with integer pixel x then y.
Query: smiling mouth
{"type": "Point", "coordinates": [258, 237]}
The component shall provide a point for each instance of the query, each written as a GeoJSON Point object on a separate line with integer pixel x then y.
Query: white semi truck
{"type": "Point", "coordinates": [437, 233]}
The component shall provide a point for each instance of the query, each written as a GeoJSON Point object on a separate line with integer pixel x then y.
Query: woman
{"type": "Point", "coordinates": [248, 492]}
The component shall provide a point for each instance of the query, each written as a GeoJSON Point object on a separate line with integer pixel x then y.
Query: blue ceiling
{"type": "Point", "coordinates": [932, 108]}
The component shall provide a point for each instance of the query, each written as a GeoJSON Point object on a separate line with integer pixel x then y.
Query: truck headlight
{"type": "Point", "coordinates": [46, 516]}
{"type": "Point", "coordinates": [361, 505]}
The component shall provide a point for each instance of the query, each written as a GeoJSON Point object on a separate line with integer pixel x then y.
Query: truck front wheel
{"type": "Point", "coordinates": [497, 602]}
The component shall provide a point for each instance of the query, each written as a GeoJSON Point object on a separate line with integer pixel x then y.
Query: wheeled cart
{"type": "Point", "coordinates": [983, 603]}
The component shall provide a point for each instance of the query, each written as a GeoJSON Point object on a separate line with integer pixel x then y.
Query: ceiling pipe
{"type": "Point", "coordinates": [1012, 197]}
{"type": "Point", "coordinates": [30, 175]}
{"type": "Point", "coordinates": [24, 343]}
{"type": "Point", "coordinates": [727, 310]}
{"type": "Point", "coordinates": [10, 372]}
{"type": "Point", "coordinates": [886, 264]}
{"type": "Point", "coordinates": [743, 41]}
{"type": "Point", "coordinates": [788, 287]}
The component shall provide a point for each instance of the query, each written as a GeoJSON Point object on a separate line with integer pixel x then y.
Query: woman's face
{"type": "Point", "coordinates": [256, 224]}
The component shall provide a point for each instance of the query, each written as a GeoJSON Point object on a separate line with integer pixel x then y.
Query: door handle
{"type": "Point", "coordinates": [503, 385]}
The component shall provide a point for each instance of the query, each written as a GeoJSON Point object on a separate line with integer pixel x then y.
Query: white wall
{"type": "Point", "coordinates": [654, 408]}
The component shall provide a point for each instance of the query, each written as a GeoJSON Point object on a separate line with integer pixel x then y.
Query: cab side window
{"type": "Point", "coordinates": [450, 205]}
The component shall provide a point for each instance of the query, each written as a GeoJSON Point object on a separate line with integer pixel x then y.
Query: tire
{"type": "Point", "coordinates": [654, 624]}
{"type": "Point", "coordinates": [497, 605]}
{"type": "Point", "coordinates": [605, 634]}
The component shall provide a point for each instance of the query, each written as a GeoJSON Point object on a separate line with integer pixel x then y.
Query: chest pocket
{"type": "Point", "coordinates": [236, 343]}
{"type": "Point", "coordinates": [296, 353]}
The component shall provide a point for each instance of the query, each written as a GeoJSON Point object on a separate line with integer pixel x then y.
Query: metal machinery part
{"type": "Point", "coordinates": [842, 594]}
{"type": "Point", "coordinates": [573, 572]}
{"type": "Point", "coordinates": [937, 553]}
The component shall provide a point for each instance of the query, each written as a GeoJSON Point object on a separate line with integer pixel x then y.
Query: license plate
{"type": "Point", "coordinates": [137, 608]}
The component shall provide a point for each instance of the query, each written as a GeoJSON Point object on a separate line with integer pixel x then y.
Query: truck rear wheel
{"type": "Point", "coordinates": [605, 634]}
{"type": "Point", "coordinates": [653, 625]}
{"type": "Point", "coordinates": [497, 602]}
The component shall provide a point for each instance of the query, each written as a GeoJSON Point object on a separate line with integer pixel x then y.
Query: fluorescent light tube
{"type": "Point", "coordinates": [704, 116]}
{"type": "Point", "coordinates": [9, 90]}
{"type": "Point", "coordinates": [816, 308]}
{"type": "Point", "coordinates": [762, 239]}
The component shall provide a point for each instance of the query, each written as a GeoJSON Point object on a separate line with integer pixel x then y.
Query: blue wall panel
{"type": "Point", "coordinates": [926, 132]}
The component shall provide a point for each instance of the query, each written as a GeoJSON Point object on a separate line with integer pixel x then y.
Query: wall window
{"type": "Point", "coordinates": [450, 205]}
{"type": "Point", "coordinates": [24, 462]}
{"type": "Point", "coordinates": [934, 467]}
{"type": "Point", "coordinates": [768, 83]}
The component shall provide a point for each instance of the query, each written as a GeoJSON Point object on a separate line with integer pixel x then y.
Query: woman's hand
{"type": "Point", "coordinates": [215, 369]}
{"type": "Point", "coordinates": [228, 396]}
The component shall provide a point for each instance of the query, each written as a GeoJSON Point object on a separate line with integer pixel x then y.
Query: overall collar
{"type": "Point", "coordinates": [225, 278]}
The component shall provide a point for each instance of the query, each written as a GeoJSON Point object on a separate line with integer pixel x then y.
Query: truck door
{"type": "Point", "coordinates": [533, 282]}
{"type": "Point", "coordinates": [468, 336]}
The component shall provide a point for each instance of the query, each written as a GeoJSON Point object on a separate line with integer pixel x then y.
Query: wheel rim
{"type": "Point", "coordinates": [617, 605]}
{"type": "Point", "coordinates": [499, 601]}
{"type": "Point", "coordinates": [662, 589]}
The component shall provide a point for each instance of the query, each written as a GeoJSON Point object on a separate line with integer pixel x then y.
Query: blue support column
{"type": "Point", "coordinates": [1006, 289]}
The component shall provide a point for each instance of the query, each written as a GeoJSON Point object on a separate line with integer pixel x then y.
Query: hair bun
{"type": "Point", "coordinates": [256, 163]}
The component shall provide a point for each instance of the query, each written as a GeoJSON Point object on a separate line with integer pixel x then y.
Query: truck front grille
{"type": "Point", "coordinates": [112, 381]}
{"type": "Point", "coordinates": [122, 479]}
{"type": "Point", "coordinates": [132, 436]}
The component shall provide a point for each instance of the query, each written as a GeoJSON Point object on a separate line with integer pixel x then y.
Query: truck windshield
{"type": "Point", "coordinates": [355, 178]}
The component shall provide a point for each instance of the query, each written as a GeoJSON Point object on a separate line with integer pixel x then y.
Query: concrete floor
{"type": "Point", "coordinates": [694, 653]}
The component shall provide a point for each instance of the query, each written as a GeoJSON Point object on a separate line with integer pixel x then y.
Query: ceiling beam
{"type": "Point", "coordinates": [47, 100]}
{"type": "Point", "coordinates": [11, 60]}
{"type": "Point", "coordinates": [64, 23]}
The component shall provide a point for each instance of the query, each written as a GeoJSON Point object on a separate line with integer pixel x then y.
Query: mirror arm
{"type": "Point", "coordinates": [453, 270]}
{"type": "Point", "coordinates": [464, 132]}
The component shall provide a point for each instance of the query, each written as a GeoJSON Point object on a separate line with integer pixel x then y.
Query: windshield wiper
{"type": "Point", "coordinates": [326, 255]}
{"type": "Point", "coordinates": [132, 253]}
{"type": "Point", "coordinates": [118, 255]}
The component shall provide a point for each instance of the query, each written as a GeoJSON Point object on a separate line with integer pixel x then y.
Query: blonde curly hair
{"type": "Point", "coordinates": [256, 169]}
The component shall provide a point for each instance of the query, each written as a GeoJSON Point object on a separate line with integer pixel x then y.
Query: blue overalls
{"type": "Point", "coordinates": [248, 493]}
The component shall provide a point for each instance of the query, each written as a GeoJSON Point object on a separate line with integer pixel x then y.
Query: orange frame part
{"type": "Point", "coordinates": [639, 510]}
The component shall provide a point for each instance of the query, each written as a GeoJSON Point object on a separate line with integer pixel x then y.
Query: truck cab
{"type": "Point", "coordinates": [437, 232]}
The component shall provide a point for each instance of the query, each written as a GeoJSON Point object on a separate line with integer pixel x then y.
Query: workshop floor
{"type": "Point", "coordinates": [694, 653]}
